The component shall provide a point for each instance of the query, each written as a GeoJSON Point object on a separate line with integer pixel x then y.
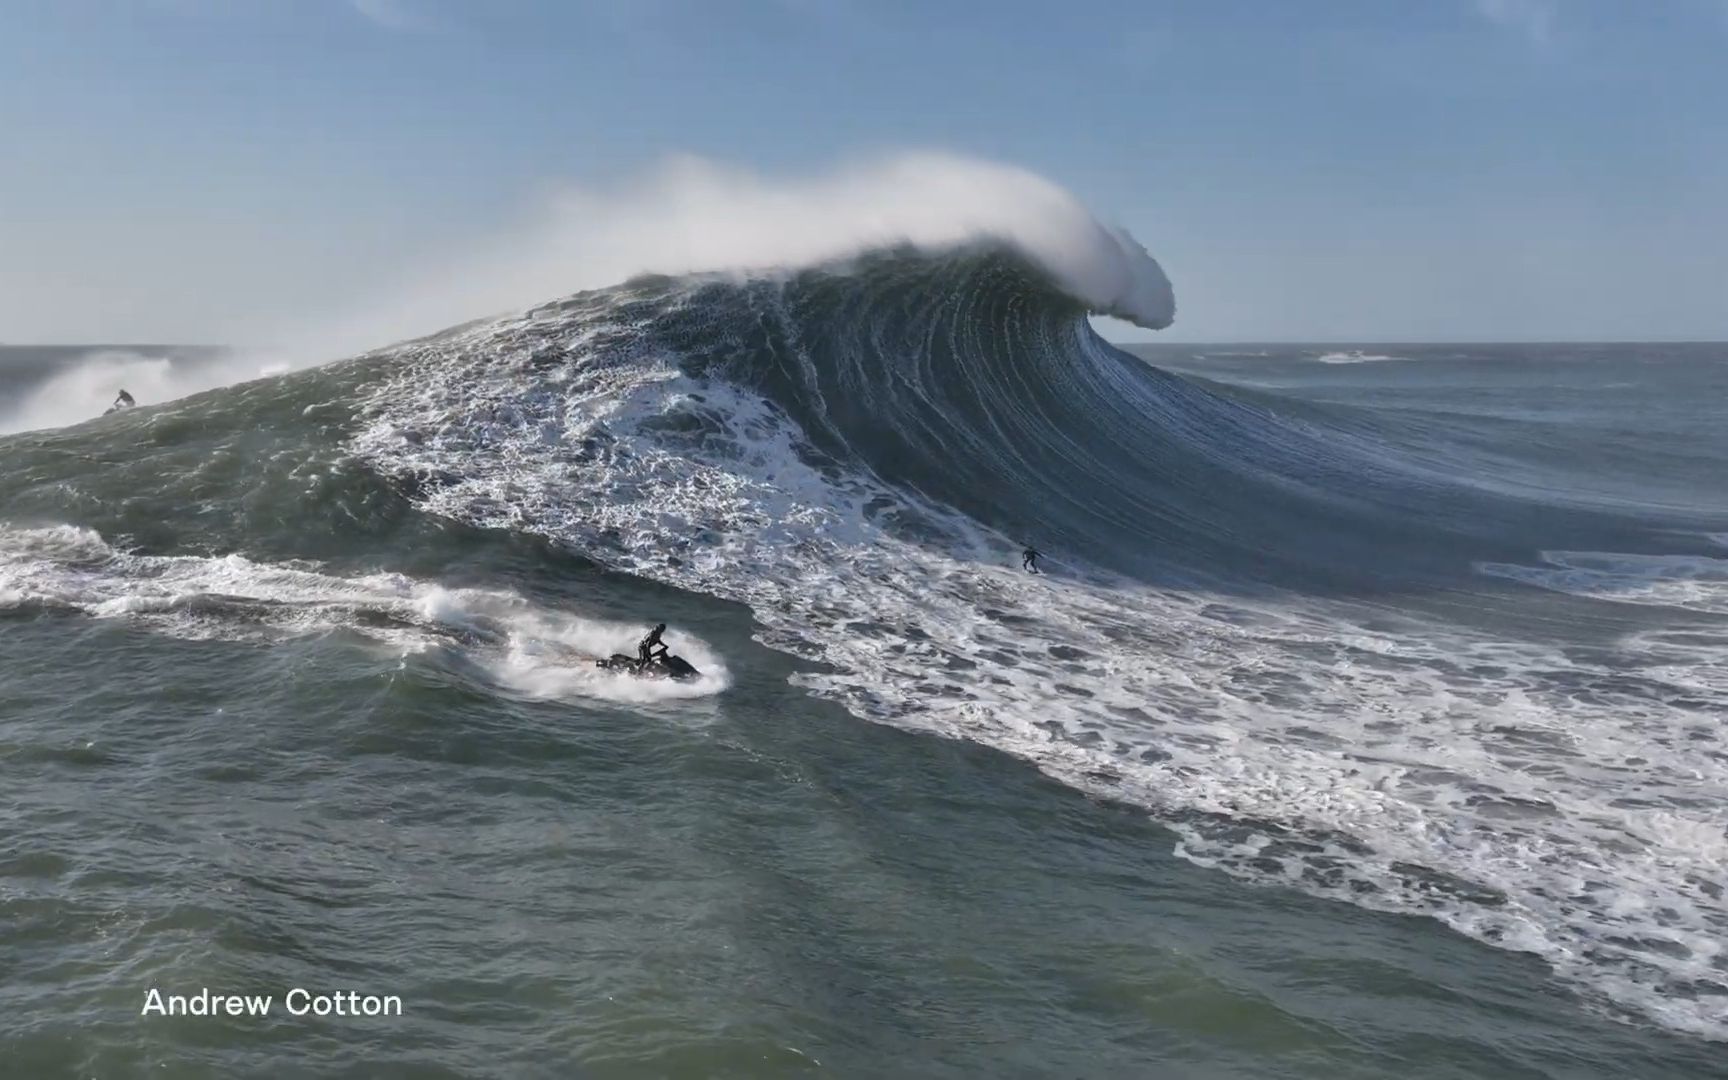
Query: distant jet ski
{"type": "Point", "coordinates": [124, 401]}
{"type": "Point", "coordinates": [663, 666]}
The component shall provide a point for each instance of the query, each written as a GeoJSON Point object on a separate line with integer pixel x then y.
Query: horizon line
{"type": "Point", "coordinates": [1111, 340]}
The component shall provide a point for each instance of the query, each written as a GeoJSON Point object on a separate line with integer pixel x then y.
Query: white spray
{"type": "Point", "coordinates": [688, 215]}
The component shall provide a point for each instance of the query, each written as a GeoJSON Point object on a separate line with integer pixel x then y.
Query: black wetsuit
{"type": "Point", "coordinates": [645, 648]}
{"type": "Point", "coordinates": [1029, 561]}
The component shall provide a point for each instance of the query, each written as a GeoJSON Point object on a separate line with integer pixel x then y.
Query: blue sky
{"type": "Point", "coordinates": [1323, 170]}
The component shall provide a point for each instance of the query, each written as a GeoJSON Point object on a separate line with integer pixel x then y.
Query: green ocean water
{"type": "Point", "coordinates": [265, 724]}
{"type": "Point", "coordinates": [761, 887]}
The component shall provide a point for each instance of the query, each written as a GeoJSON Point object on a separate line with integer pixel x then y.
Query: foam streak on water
{"type": "Point", "coordinates": [1687, 582]}
{"type": "Point", "coordinates": [536, 651]}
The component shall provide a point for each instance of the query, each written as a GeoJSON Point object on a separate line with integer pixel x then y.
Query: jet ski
{"type": "Point", "coordinates": [663, 666]}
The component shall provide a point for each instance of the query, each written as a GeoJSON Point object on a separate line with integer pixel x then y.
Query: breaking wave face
{"type": "Point", "coordinates": [1266, 626]}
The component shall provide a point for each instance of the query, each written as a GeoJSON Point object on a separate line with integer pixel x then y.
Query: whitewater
{"type": "Point", "coordinates": [1339, 625]}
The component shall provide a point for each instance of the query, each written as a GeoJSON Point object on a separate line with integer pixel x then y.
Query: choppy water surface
{"type": "Point", "coordinates": [1368, 722]}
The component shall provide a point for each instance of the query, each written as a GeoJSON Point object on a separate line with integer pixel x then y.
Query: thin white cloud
{"type": "Point", "coordinates": [390, 14]}
{"type": "Point", "coordinates": [1533, 18]}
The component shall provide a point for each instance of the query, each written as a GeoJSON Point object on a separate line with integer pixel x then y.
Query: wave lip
{"type": "Point", "coordinates": [929, 200]}
{"type": "Point", "coordinates": [697, 216]}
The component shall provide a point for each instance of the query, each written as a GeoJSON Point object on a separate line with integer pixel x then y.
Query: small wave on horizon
{"type": "Point", "coordinates": [1356, 356]}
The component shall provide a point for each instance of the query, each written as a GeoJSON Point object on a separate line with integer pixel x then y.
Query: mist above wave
{"type": "Point", "coordinates": [693, 215]}
{"type": "Point", "coordinates": [689, 215]}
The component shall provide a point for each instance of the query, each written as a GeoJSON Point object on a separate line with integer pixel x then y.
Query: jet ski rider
{"type": "Point", "coordinates": [646, 648]}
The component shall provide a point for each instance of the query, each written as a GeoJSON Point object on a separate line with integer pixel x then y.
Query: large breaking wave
{"type": "Point", "coordinates": [1267, 623]}
{"type": "Point", "coordinates": [1349, 652]}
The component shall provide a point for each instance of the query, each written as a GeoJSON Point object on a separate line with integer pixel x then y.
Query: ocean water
{"type": "Point", "coordinates": [1367, 722]}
